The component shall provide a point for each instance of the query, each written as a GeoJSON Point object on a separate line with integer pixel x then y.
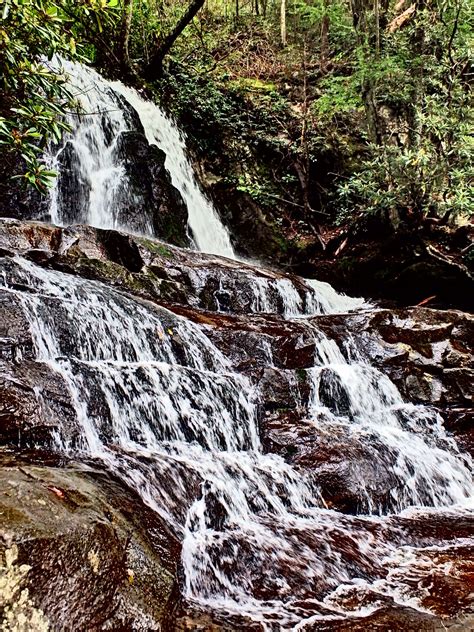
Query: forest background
{"type": "Point", "coordinates": [314, 124]}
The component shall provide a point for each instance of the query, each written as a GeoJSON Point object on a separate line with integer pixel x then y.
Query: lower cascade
{"type": "Point", "coordinates": [162, 407]}
{"type": "Point", "coordinates": [302, 487]}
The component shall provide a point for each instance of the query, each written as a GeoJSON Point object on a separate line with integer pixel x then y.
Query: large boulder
{"type": "Point", "coordinates": [16, 199]}
{"type": "Point", "coordinates": [80, 551]}
{"type": "Point", "coordinates": [146, 194]}
{"type": "Point", "coordinates": [72, 191]}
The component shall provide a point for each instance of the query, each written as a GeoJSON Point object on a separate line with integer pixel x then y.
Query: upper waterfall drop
{"type": "Point", "coordinates": [207, 230]}
{"type": "Point", "coordinates": [91, 153]}
{"type": "Point", "coordinates": [99, 190]}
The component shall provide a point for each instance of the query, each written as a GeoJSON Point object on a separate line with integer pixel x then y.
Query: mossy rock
{"type": "Point", "coordinates": [74, 539]}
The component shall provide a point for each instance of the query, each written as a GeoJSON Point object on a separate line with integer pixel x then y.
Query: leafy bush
{"type": "Point", "coordinates": [34, 91]}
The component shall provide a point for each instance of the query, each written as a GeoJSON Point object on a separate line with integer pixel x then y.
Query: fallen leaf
{"type": "Point", "coordinates": [59, 493]}
{"type": "Point", "coordinates": [426, 300]}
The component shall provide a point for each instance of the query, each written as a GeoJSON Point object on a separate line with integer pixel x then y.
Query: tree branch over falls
{"type": "Point", "coordinates": [154, 70]}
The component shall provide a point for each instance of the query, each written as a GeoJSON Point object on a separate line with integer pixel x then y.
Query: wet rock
{"type": "Point", "coordinates": [283, 390]}
{"type": "Point", "coordinates": [72, 190]}
{"type": "Point", "coordinates": [158, 270]}
{"type": "Point", "coordinates": [35, 403]}
{"type": "Point", "coordinates": [392, 618]}
{"type": "Point", "coordinates": [120, 249]}
{"type": "Point", "coordinates": [92, 253]}
{"type": "Point", "coordinates": [16, 343]}
{"type": "Point", "coordinates": [21, 237]}
{"type": "Point", "coordinates": [460, 421]}
{"type": "Point", "coordinates": [147, 193]}
{"type": "Point", "coordinates": [18, 201]}
{"type": "Point", "coordinates": [424, 388]}
{"type": "Point", "coordinates": [191, 618]}
{"type": "Point", "coordinates": [427, 353]}
{"type": "Point", "coordinates": [96, 556]}
{"type": "Point", "coordinates": [349, 470]}
{"type": "Point", "coordinates": [332, 393]}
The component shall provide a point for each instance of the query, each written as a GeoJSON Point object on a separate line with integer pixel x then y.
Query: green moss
{"type": "Point", "coordinates": [247, 83]}
{"type": "Point", "coordinates": [98, 268]}
{"type": "Point", "coordinates": [155, 247]}
{"type": "Point", "coordinates": [301, 375]}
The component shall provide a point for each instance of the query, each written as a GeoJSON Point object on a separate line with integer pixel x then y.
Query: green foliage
{"type": "Point", "coordinates": [340, 95]}
{"type": "Point", "coordinates": [390, 100]}
{"type": "Point", "coordinates": [34, 92]}
{"type": "Point", "coordinates": [306, 16]}
{"type": "Point", "coordinates": [387, 101]}
{"type": "Point", "coordinates": [424, 161]}
{"type": "Point", "coordinates": [204, 109]}
{"type": "Point", "coordinates": [260, 189]}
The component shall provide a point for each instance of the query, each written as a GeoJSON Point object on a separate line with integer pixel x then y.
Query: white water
{"type": "Point", "coordinates": [162, 408]}
{"type": "Point", "coordinates": [102, 190]}
{"type": "Point", "coordinates": [206, 228]}
{"type": "Point", "coordinates": [95, 131]}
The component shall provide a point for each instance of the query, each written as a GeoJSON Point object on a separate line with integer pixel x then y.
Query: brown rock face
{"type": "Point", "coordinates": [96, 557]}
{"type": "Point", "coordinates": [100, 558]}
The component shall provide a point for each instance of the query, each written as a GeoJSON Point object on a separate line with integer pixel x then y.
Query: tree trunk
{"type": "Point", "coordinates": [377, 27]}
{"type": "Point", "coordinates": [154, 70]}
{"type": "Point", "coordinates": [283, 22]}
{"type": "Point", "coordinates": [368, 88]}
{"type": "Point", "coordinates": [125, 34]}
{"type": "Point", "coordinates": [418, 47]}
{"type": "Point", "coordinates": [323, 62]}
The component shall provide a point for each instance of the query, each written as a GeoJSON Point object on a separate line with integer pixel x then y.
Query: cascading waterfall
{"type": "Point", "coordinates": [162, 407]}
{"type": "Point", "coordinates": [108, 110]}
{"type": "Point", "coordinates": [205, 226]}
{"type": "Point", "coordinates": [91, 151]}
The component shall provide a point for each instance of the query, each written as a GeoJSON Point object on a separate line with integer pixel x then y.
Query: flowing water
{"type": "Point", "coordinates": [99, 191]}
{"type": "Point", "coordinates": [177, 423]}
{"type": "Point", "coordinates": [107, 110]}
{"type": "Point", "coordinates": [163, 407]}
{"type": "Point", "coordinates": [205, 227]}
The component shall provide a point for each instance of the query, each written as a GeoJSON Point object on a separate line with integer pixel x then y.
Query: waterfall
{"type": "Point", "coordinates": [162, 408]}
{"type": "Point", "coordinates": [90, 157]}
{"type": "Point", "coordinates": [207, 230]}
{"type": "Point", "coordinates": [161, 405]}
{"type": "Point", "coordinates": [88, 154]}
{"type": "Point", "coordinates": [108, 109]}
